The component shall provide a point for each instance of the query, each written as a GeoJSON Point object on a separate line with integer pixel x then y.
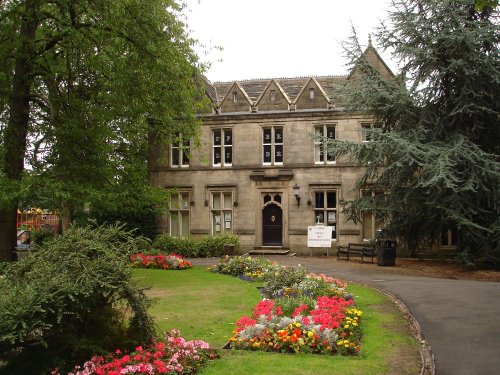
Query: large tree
{"type": "Point", "coordinates": [83, 85]}
{"type": "Point", "coordinates": [435, 140]}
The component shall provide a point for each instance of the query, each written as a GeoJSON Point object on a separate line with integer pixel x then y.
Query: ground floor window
{"type": "Point", "coordinates": [179, 214]}
{"type": "Point", "coordinates": [372, 223]}
{"type": "Point", "coordinates": [449, 237]}
{"type": "Point", "coordinates": [325, 209]}
{"type": "Point", "coordinates": [221, 211]}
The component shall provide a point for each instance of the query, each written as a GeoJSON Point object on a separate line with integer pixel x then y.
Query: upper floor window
{"type": "Point", "coordinates": [311, 93]}
{"type": "Point", "coordinates": [323, 133]}
{"type": "Point", "coordinates": [222, 144]}
{"type": "Point", "coordinates": [179, 153]}
{"type": "Point", "coordinates": [272, 94]}
{"type": "Point", "coordinates": [179, 214]}
{"type": "Point", "coordinates": [272, 145]}
{"type": "Point", "coordinates": [235, 96]}
{"type": "Point", "coordinates": [325, 209]}
{"type": "Point", "coordinates": [372, 223]}
{"type": "Point", "coordinates": [221, 209]}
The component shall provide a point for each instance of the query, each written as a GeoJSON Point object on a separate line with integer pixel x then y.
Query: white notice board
{"type": "Point", "coordinates": [319, 236]}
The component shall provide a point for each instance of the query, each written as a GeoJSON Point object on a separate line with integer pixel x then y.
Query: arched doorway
{"type": "Point", "coordinates": [272, 225]}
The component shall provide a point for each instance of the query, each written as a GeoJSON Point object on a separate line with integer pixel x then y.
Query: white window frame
{"type": "Point", "coordinates": [273, 145]}
{"type": "Point", "coordinates": [326, 211]}
{"type": "Point", "coordinates": [180, 207]}
{"type": "Point", "coordinates": [225, 214]}
{"type": "Point", "coordinates": [224, 148]}
{"type": "Point", "coordinates": [320, 148]}
{"type": "Point", "coordinates": [180, 149]}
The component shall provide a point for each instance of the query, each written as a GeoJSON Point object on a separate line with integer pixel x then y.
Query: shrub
{"type": "Point", "coordinates": [243, 266]}
{"type": "Point", "coordinates": [282, 277]}
{"type": "Point", "coordinates": [206, 246]}
{"type": "Point", "coordinates": [72, 297]}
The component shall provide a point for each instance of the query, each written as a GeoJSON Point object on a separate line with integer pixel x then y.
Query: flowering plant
{"type": "Point", "coordinates": [247, 268]}
{"type": "Point", "coordinates": [332, 326]}
{"type": "Point", "coordinates": [165, 262]}
{"type": "Point", "coordinates": [174, 356]}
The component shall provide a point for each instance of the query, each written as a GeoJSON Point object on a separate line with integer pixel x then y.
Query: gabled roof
{"type": "Point", "coordinates": [279, 88]}
{"type": "Point", "coordinates": [317, 85]}
{"type": "Point", "coordinates": [240, 88]}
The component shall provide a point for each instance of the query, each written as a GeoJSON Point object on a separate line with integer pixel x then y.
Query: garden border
{"type": "Point", "coordinates": [426, 355]}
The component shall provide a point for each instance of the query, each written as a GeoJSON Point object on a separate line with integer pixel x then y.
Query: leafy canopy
{"type": "Point", "coordinates": [435, 139]}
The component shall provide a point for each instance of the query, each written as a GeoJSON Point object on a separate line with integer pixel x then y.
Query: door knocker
{"type": "Point", "coordinates": [273, 219]}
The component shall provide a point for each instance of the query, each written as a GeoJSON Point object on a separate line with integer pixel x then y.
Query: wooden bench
{"type": "Point", "coordinates": [357, 249]}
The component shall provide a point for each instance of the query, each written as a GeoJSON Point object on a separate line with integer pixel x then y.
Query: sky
{"type": "Point", "coordinates": [280, 38]}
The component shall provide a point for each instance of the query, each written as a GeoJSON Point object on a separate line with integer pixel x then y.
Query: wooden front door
{"type": "Point", "coordinates": [272, 225]}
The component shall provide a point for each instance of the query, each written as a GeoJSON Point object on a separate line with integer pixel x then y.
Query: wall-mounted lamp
{"type": "Point", "coordinates": [296, 192]}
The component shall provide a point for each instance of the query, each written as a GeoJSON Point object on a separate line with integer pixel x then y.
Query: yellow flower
{"type": "Point", "coordinates": [310, 334]}
{"type": "Point", "coordinates": [346, 326]}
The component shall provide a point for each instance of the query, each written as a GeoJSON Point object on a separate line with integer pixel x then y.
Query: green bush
{"type": "Point", "coordinates": [72, 297]}
{"type": "Point", "coordinates": [206, 246]}
{"type": "Point", "coordinates": [282, 277]}
{"type": "Point", "coordinates": [237, 266]}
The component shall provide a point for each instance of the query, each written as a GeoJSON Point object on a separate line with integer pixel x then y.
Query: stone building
{"type": "Point", "coordinates": [260, 173]}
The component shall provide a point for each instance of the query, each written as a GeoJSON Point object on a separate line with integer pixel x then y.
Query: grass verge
{"type": "Point", "coordinates": [204, 305]}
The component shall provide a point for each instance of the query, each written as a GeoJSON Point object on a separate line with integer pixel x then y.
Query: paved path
{"type": "Point", "coordinates": [460, 319]}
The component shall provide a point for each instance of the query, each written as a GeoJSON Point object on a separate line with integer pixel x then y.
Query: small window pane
{"type": "Point", "coordinates": [185, 224]}
{"type": "Point", "coordinates": [185, 201]}
{"type": "Point", "coordinates": [331, 200]}
{"type": "Point", "coordinates": [278, 135]}
{"type": "Point", "coordinates": [217, 155]}
{"type": "Point", "coordinates": [174, 225]}
{"type": "Point", "coordinates": [267, 198]}
{"type": "Point", "coordinates": [228, 155]}
{"type": "Point", "coordinates": [228, 200]}
{"type": "Point", "coordinates": [216, 201]}
{"type": "Point", "coordinates": [185, 157]}
{"type": "Point", "coordinates": [217, 137]}
{"type": "Point", "coordinates": [278, 157]}
{"type": "Point", "coordinates": [330, 131]}
{"type": "Point", "coordinates": [367, 225]}
{"type": "Point", "coordinates": [267, 154]}
{"type": "Point", "coordinates": [267, 136]}
{"type": "Point", "coordinates": [175, 156]}
{"type": "Point", "coordinates": [320, 200]}
{"type": "Point", "coordinates": [228, 137]}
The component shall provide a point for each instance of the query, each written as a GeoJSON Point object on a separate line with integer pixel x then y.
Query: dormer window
{"type": "Point", "coordinates": [311, 93]}
{"type": "Point", "coordinates": [273, 95]}
{"type": "Point", "coordinates": [235, 96]}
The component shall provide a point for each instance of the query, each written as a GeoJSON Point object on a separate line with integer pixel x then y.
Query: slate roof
{"type": "Point", "coordinates": [291, 86]}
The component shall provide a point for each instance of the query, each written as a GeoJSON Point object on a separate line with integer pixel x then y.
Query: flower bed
{"type": "Point", "coordinates": [174, 356]}
{"type": "Point", "coordinates": [302, 312]}
{"type": "Point", "coordinates": [165, 262]}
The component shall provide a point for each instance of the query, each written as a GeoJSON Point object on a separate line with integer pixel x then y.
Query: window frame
{"type": "Point", "coordinates": [180, 210]}
{"type": "Point", "coordinates": [326, 210]}
{"type": "Point", "coordinates": [273, 145]}
{"type": "Point", "coordinates": [222, 211]}
{"type": "Point", "coordinates": [364, 135]}
{"type": "Point", "coordinates": [180, 147]}
{"type": "Point", "coordinates": [319, 144]}
{"type": "Point", "coordinates": [223, 147]}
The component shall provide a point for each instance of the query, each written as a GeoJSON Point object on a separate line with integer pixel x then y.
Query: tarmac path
{"type": "Point", "coordinates": [460, 319]}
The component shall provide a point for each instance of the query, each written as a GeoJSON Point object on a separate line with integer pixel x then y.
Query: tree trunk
{"type": "Point", "coordinates": [15, 136]}
{"type": "Point", "coordinates": [67, 216]}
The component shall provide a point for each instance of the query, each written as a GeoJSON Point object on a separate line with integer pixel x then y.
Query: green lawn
{"type": "Point", "coordinates": [204, 305]}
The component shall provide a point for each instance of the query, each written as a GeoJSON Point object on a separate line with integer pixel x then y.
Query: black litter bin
{"type": "Point", "coordinates": [386, 253]}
